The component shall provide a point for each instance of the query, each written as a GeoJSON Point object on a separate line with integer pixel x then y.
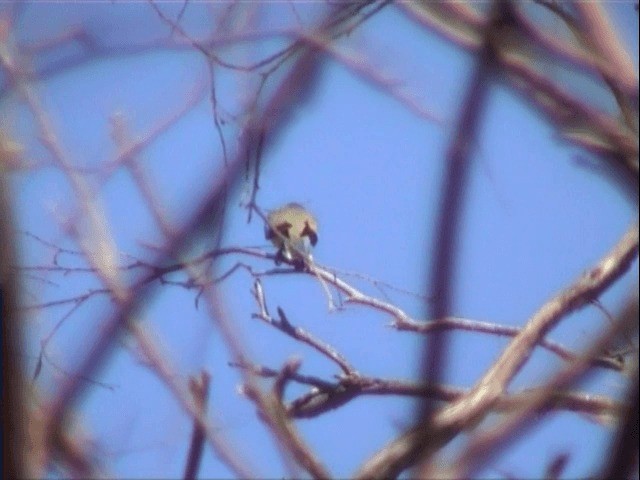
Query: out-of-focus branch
{"type": "Point", "coordinates": [455, 177]}
{"type": "Point", "coordinates": [162, 367]}
{"type": "Point", "coordinates": [25, 443]}
{"type": "Point", "coordinates": [92, 233]}
{"type": "Point", "coordinates": [473, 406]}
{"type": "Point", "coordinates": [422, 442]}
{"type": "Point", "coordinates": [485, 444]}
{"type": "Point", "coordinates": [361, 66]}
{"type": "Point", "coordinates": [623, 459]}
{"type": "Point", "coordinates": [199, 387]}
{"type": "Point", "coordinates": [588, 287]}
{"type": "Point", "coordinates": [15, 463]}
{"type": "Point", "coordinates": [604, 39]}
{"type": "Point", "coordinates": [622, 82]}
{"type": "Point", "coordinates": [592, 129]}
{"type": "Point", "coordinates": [272, 412]}
{"type": "Point", "coordinates": [275, 114]}
{"type": "Point", "coordinates": [579, 123]}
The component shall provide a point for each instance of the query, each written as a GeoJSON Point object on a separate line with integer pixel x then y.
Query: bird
{"type": "Point", "coordinates": [293, 230]}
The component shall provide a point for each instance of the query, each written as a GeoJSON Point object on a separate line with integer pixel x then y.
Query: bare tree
{"type": "Point", "coordinates": [275, 56]}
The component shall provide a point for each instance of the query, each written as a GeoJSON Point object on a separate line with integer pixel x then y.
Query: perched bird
{"type": "Point", "coordinates": [293, 230]}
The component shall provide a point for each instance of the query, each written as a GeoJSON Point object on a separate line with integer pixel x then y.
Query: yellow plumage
{"type": "Point", "coordinates": [293, 230]}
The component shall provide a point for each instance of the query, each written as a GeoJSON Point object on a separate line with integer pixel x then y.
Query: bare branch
{"type": "Point", "coordinates": [449, 421]}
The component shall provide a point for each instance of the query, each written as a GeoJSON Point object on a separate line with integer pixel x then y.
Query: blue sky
{"type": "Point", "coordinates": [370, 170]}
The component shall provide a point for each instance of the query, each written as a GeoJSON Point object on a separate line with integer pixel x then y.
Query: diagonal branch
{"type": "Point", "coordinates": [449, 421]}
